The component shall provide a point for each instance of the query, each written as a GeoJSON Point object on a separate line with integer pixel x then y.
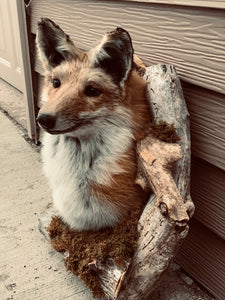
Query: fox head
{"type": "Point", "coordinates": [82, 88]}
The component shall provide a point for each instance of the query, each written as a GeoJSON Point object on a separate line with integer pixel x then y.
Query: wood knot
{"type": "Point", "coordinates": [163, 209]}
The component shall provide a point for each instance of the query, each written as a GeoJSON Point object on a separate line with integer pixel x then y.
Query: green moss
{"type": "Point", "coordinates": [164, 132]}
{"type": "Point", "coordinates": [118, 243]}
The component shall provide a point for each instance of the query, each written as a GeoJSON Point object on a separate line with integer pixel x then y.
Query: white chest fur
{"type": "Point", "coordinates": [72, 165]}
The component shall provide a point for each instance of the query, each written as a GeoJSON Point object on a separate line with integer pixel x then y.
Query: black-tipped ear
{"type": "Point", "coordinates": [54, 45]}
{"type": "Point", "coordinates": [115, 55]}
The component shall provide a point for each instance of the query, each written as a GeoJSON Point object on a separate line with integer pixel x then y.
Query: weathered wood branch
{"type": "Point", "coordinates": [164, 221]}
{"type": "Point", "coordinates": [155, 161]}
{"type": "Point", "coordinates": [167, 103]}
{"type": "Point", "coordinates": [159, 235]}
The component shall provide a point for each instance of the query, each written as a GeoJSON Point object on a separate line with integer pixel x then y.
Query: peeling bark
{"type": "Point", "coordinates": [167, 103]}
{"type": "Point", "coordinates": [155, 159]}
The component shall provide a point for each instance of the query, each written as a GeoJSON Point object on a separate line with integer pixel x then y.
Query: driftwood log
{"type": "Point", "coordinates": [166, 169]}
{"type": "Point", "coordinates": [164, 222]}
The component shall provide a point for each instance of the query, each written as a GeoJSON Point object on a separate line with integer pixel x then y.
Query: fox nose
{"type": "Point", "coordinates": [46, 121]}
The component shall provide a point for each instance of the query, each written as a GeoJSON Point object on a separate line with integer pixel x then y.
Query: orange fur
{"type": "Point", "coordinates": [123, 192]}
{"type": "Point", "coordinates": [90, 145]}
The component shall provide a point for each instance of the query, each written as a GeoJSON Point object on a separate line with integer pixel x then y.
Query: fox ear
{"type": "Point", "coordinates": [54, 45]}
{"type": "Point", "coordinates": [115, 55]}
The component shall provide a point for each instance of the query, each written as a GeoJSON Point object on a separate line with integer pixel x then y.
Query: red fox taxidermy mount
{"type": "Point", "coordinates": [95, 112]}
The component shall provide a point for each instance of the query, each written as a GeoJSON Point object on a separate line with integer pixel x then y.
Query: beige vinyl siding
{"type": "Point", "coordinates": [208, 194]}
{"type": "Point", "coordinates": [207, 112]}
{"type": "Point", "coordinates": [202, 256]}
{"type": "Point", "coordinates": [199, 3]}
{"type": "Point", "coordinates": [190, 38]}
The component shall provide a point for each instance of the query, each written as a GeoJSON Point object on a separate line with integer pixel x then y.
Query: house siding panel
{"type": "Point", "coordinates": [190, 38]}
{"type": "Point", "coordinates": [202, 256]}
{"type": "Point", "coordinates": [207, 115]}
{"type": "Point", "coordinates": [198, 3]}
{"type": "Point", "coordinates": [208, 194]}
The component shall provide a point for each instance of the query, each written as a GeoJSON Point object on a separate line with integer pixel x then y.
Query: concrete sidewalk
{"type": "Point", "coordinates": [29, 268]}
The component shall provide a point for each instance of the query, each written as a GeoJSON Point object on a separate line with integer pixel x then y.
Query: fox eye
{"type": "Point", "coordinates": [56, 83]}
{"type": "Point", "coordinates": [91, 91]}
